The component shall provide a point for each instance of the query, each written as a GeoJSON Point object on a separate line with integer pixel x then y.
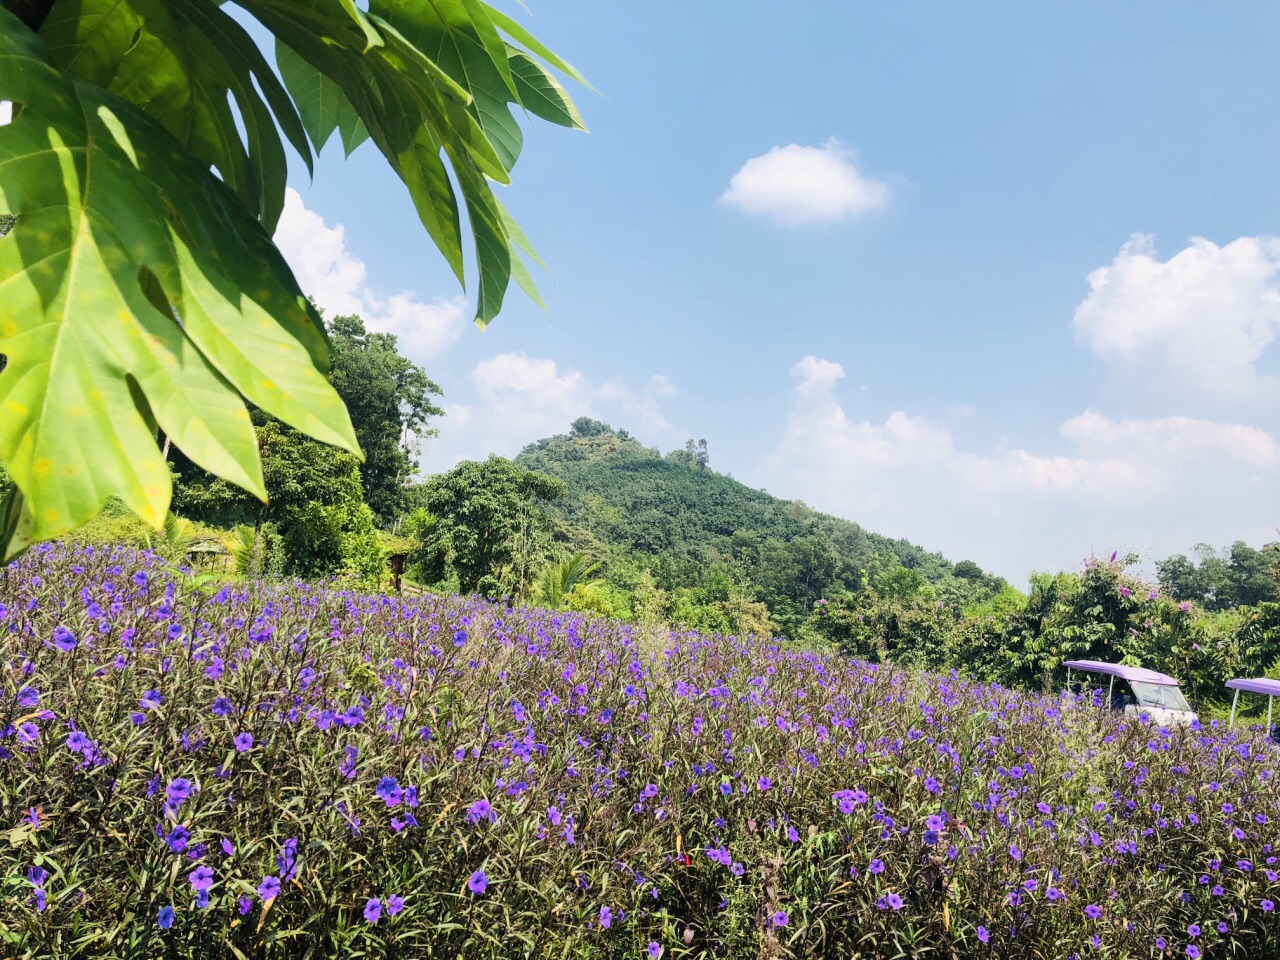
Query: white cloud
{"type": "Point", "coordinates": [662, 386]}
{"type": "Point", "coordinates": [517, 399]}
{"type": "Point", "coordinates": [796, 185]}
{"type": "Point", "coordinates": [1117, 482]}
{"type": "Point", "coordinates": [327, 270]}
{"type": "Point", "coordinates": [1204, 316]}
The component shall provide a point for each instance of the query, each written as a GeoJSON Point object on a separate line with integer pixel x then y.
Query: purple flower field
{"type": "Point", "coordinates": [195, 769]}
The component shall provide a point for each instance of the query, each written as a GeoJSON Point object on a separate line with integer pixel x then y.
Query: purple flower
{"type": "Point", "coordinates": [779, 918]}
{"type": "Point", "coordinates": [37, 876]}
{"type": "Point", "coordinates": [178, 790]}
{"type": "Point", "coordinates": [394, 905]}
{"type": "Point", "coordinates": [654, 949]}
{"type": "Point", "coordinates": [221, 707]}
{"type": "Point", "coordinates": [389, 790]}
{"type": "Point", "coordinates": [28, 697]}
{"type": "Point", "coordinates": [764, 783]}
{"type": "Point", "coordinates": [165, 919]}
{"type": "Point", "coordinates": [244, 905]}
{"type": "Point", "coordinates": [177, 838]}
{"type": "Point", "coordinates": [201, 878]}
{"type": "Point", "coordinates": [373, 910]}
{"type": "Point", "coordinates": [65, 641]}
{"type": "Point", "coordinates": [227, 848]}
{"type": "Point", "coordinates": [478, 883]}
{"type": "Point", "coordinates": [243, 741]}
{"type": "Point", "coordinates": [269, 888]}
{"type": "Point", "coordinates": [606, 918]}
{"type": "Point", "coordinates": [876, 866]}
{"type": "Point", "coordinates": [983, 934]}
{"type": "Point", "coordinates": [479, 810]}
{"type": "Point", "coordinates": [1267, 906]}
{"type": "Point", "coordinates": [77, 742]}
{"type": "Point", "coordinates": [1093, 911]}
{"type": "Point", "coordinates": [893, 901]}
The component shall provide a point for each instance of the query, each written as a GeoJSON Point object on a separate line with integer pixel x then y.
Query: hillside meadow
{"type": "Point", "coordinates": [200, 769]}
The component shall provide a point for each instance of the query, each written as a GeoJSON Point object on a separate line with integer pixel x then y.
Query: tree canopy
{"type": "Point", "coordinates": [484, 523]}
{"type": "Point", "coordinates": [389, 400]}
{"type": "Point", "coordinates": [144, 169]}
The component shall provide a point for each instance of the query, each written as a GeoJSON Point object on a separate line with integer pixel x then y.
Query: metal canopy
{"type": "Point", "coordinates": [1268, 688]}
{"type": "Point", "coordinates": [1136, 674]}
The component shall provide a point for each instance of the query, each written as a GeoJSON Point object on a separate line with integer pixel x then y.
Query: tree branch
{"type": "Point", "coordinates": [30, 12]}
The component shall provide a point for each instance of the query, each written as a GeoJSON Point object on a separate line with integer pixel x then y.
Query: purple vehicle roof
{"type": "Point", "coordinates": [1269, 688]}
{"type": "Point", "coordinates": [1136, 674]}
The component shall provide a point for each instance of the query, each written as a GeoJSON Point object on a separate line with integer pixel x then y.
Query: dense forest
{"type": "Point", "coordinates": [711, 543]}
{"type": "Point", "coordinates": [593, 520]}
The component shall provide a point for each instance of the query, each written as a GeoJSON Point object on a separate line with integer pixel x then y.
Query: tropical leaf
{"type": "Point", "coordinates": [136, 292]}
{"type": "Point", "coordinates": [560, 579]}
{"type": "Point", "coordinates": [435, 95]}
{"type": "Point", "coordinates": [179, 60]}
{"type": "Point", "coordinates": [321, 103]}
{"type": "Point", "coordinates": [541, 94]}
{"type": "Point", "coordinates": [175, 539]}
{"type": "Point", "coordinates": [140, 291]}
{"type": "Point", "coordinates": [242, 544]}
{"type": "Point", "coordinates": [522, 36]}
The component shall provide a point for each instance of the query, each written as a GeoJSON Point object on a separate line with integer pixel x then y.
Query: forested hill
{"type": "Point", "coordinates": [688, 524]}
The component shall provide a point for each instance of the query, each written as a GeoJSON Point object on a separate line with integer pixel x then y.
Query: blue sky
{"type": "Point", "coordinates": [999, 278]}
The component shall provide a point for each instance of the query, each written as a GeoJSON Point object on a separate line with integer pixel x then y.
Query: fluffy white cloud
{"type": "Point", "coordinates": [1119, 482]}
{"type": "Point", "coordinates": [795, 185]}
{"type": "Point", "coordinates": [517, 399]}
{"type": "Point", "coordinates": [327, 270]}
{"type": "Point", "coordinates": [1204, 316]}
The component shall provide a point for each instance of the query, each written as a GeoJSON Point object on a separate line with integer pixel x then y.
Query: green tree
{"type": "Point", "coordinates": [389, 400]}
{"type": "Point", "coordinates": [316, 504]}
{"type": "Point", "coordinates": [149, 151]}
{"type": "Point", "coordinates": [1238, 576]}
{"type": "Point", "coordinates": [484, 522]}
{"type": "Point", "coordinates": [296, 470]}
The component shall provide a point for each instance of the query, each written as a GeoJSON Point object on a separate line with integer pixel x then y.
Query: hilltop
{"type": "Point", "coordinates": [696, 529]}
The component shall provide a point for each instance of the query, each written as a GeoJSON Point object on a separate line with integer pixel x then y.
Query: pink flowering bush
{"type": "Point", "coordinates": [194, 770]}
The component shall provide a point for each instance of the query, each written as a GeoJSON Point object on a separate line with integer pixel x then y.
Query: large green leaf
{"type": "Point", "coordinates": [179, 60]}
{"type": "Point", "coordinates": [522, 36]}
{"type": "Point", "coordinates": [435, 96]}
{"type": "Point", "coordinates": [322, 105]}
{"type": "Point", "coordinates": [136, 291]}
{"type": "Point", "coordinates": [541, 94]}
{"type": "Point", "coordinates": [471, 52]}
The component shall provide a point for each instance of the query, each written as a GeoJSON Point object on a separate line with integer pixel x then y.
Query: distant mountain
{"type": "Point", "coordinates": [674, 515]}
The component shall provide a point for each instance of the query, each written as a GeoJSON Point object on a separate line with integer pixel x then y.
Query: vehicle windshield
{"type": "Point", "coordinates": [1159, 696]}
